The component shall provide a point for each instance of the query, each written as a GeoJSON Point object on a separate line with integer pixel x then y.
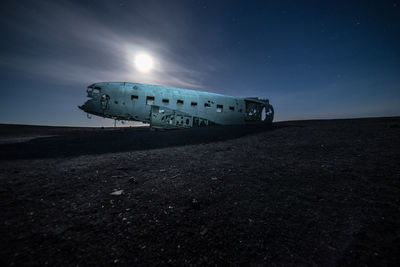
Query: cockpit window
{"type": "Point", "coordinates": [93, 92]}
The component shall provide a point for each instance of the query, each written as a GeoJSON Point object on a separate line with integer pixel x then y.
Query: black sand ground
{"type": "Point", "coordinates": [300, 193]}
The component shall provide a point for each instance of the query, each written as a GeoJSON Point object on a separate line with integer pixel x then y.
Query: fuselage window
{"type": "Point", "coordinates": [207, 105]}
{"type": "Point", "coordinates": [165, 100]}
{"type": "Point", "coordinates": [134, 97]}
{"type": "Point", "coordinates": [220, 108]}
{"type": "Point", "coordinates": [179, 101]}
{"type": "Point", "coordinates": [193, 104]}
{"type": "Point", "coordinates": [232, 108]}
{"type": "Point", "coordinates": [150, 100]}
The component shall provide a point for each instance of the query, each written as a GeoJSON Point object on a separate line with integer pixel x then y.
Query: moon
{"type": "Point", "coordinates": [144, 62]}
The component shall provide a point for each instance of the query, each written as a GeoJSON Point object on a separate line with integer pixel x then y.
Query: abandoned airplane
{"type": "Point", "coordinates": [171, 108]}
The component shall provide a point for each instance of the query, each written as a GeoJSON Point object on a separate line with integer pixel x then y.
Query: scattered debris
{"type": "Point", "coordinates": [117, 193]}
{"type": "Point", "coordinates": [214, 178]}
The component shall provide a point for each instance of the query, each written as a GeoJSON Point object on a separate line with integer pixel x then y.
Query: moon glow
{"type": "Point", "coordinates": [144, 62]}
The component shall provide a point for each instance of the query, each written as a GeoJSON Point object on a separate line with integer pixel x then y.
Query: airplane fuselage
{"type": "Point", "coordinates": [156, 104]}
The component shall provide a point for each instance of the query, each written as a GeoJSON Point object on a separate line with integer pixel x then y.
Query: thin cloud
{"type": "Point", "coordinates": [68, 43]}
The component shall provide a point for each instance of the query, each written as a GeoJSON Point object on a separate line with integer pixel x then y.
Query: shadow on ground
{"type": "Point", "coordinates": [129, 139]}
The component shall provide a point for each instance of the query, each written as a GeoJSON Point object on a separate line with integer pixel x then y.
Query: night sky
{"type": "Point", "coordinates": [312, 59]}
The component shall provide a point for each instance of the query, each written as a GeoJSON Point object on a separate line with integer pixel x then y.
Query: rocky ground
{"type": "Point", "coordinates": [299, 193]}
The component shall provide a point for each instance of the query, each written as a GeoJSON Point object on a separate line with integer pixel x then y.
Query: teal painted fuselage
{"type": "Point", "coordinates": [169, 107]}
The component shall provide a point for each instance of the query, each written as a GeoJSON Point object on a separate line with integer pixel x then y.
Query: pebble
{"type": "Point", "coordinates": [195, 204]}
{"type": "Point", "coordinates": [117, 193]}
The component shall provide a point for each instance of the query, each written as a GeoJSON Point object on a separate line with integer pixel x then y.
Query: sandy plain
{"type": "Point", "coordinates": [301, 193]}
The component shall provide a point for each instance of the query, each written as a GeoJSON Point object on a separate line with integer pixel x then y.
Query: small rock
{"type": "Point", "coordinates": [132, 180]}
{"type": "Point", "coordinates": [117, 193]}
{"type": "Point", "coordinates": [195, 204]}
{"type": "Point", "coordinates": [204, 231]}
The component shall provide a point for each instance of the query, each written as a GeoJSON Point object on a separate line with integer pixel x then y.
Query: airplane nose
{"type": "Point", "coordinates": [85, 106]}
{"type": "Point", "coordinates": [91, 106]}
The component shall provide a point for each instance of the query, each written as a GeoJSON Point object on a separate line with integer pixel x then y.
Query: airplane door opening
{"type": "Point", "coordinates": [104, 101]}
{"type": "Point", "coordinates": [263, 114]}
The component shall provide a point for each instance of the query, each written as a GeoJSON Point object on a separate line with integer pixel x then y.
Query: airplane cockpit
{"type": "Point", "coordinates": [94, 103]}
